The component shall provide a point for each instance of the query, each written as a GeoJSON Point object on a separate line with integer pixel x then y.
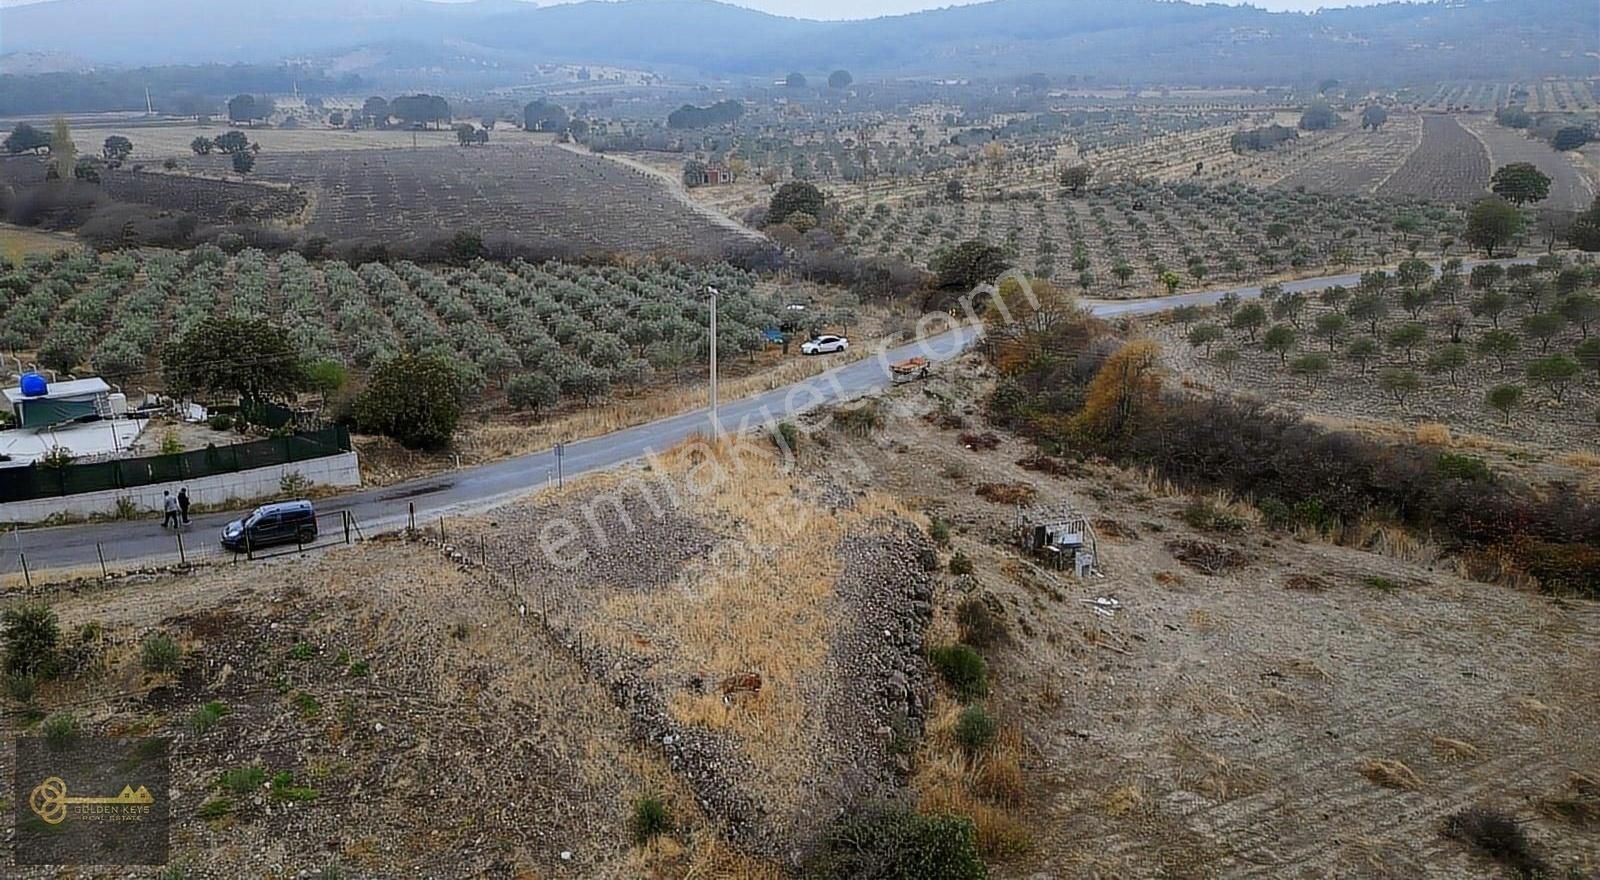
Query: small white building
{"type": "Point", "coordinates": [60, 402]}
{"type": "Point", "coordinates": [82, 416]}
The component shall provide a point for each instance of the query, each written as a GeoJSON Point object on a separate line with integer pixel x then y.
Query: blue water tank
{"type": "Point", "coordinates": [34, 385]}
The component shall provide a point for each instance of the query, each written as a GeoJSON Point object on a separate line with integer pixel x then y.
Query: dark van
{"type": "Point", "coordinates": [287, 522]}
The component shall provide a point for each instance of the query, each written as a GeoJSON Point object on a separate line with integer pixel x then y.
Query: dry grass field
{"type": "Point", "coordinates": [17, 242]}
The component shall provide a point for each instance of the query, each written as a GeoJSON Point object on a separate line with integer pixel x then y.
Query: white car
{"type": "Point", "coordinates": [824, 345]}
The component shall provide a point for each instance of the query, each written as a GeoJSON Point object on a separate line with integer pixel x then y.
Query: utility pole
{"type": "Point", "coordinates": [716, 427]}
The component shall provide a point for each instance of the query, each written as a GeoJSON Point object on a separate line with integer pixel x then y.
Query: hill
{"type": "Point", "coordinates": [1113, 40]}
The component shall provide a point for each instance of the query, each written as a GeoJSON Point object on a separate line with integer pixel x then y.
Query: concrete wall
{"type": "Point", "coordinates": [332, 470]}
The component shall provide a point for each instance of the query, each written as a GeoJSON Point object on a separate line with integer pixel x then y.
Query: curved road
{"type": "Point", "coordinates": [479, 488]}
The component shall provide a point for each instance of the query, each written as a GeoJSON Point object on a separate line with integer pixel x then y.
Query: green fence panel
{"type": "Point", "coordinates": [28, 483]}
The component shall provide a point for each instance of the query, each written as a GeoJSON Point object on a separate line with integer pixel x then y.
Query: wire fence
{"type": "Point", "coordinates": [185, 546]}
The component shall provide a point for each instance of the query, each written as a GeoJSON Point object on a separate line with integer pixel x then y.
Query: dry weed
{"type": "Point", "coordinates": [1398, 544]}
{"type": "Point", "coordinates": [1588, 461]}
{"type": "Point", "coordinates": [986, 788]}
{"type": "Point", "coordinates": [1454, 749]}
{"type": "Point", "coordinates": [710, 857]}
{"type": "Point", "coordinates": [1123, 800]}
{"type": "Point", "coordinates": [1532, 711]}
{"type": "Point", "coordinates": [1434, 434]}
{"type": "Point", "coordinates": [1390, 773]}
{"type": "Point", "coordinates": [1277, 699]}
{"type": "Point", "coordinates": [1307, 668]}
{"type": "Point", "coordinates": [1211, 774]}
{"type": "Point", "coordinates": [1205, 557]}
{"type": "Point", "coordinates": [1578, 804]}
{"type": "Point", "coordinates": [767, 612]}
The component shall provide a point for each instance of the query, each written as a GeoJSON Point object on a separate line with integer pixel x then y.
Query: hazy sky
{"type": "Point", "coordinates": [872, 8]}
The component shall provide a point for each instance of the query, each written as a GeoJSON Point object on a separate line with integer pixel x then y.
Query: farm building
{"type": "Point", "coordinates": [710, 175]}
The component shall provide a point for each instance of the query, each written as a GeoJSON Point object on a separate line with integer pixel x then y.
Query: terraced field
{"type": "Point", "coordinates": [1450, 165]}
{"type": "Point", "coordinates": [1360, 162]}
{"type": "Point", "coordinates": [544, 194]}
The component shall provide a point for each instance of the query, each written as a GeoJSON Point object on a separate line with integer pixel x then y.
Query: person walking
{"type": "Point", "coordinates": [183, 503]}
{"type": "Point", "coordinates": [169, 510]}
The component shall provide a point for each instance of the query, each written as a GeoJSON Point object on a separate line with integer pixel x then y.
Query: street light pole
{"type": "Point", "coordinates": [716, 427]}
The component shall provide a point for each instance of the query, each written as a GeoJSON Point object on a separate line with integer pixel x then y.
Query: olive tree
{"type": "Point", "coordinates": [416, 399]}
{"type": "Point", "coordinates": [1504, 398]}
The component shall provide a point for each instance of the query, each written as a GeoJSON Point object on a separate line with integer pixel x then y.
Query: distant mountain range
{"type": "Point", "coordinates": [1136, 41]}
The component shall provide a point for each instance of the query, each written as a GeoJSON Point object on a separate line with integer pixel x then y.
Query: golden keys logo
{"type": "Point", "coordinates": [50, 800]}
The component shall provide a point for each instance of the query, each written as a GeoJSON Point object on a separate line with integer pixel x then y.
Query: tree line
{"type": "Point", "coordinates": [178, 90]}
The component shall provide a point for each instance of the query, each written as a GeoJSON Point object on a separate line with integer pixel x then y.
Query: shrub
{"type": "Point", "coordinates": [243, 780]}
{"type": "Point", "coordinates": [57, 457]}
{"type": "Point", "coordinates": [962, 669]}
{"type": "Point", "coordinates": [1562, 567]}
{"type": "Point", "coordinates": [220, 422]}
{"type": "Point", "coordinates": [33, 637]}
{"type": "Point", "coordinates": [60, 730]}
{"type": "Point", "coordinates": [980, 627]}
{"type": "Point", "coordinates": [215, 808]}
{"type": "Point", "coordinates": [890, 842]}
{"type": "Point", "coordinates": [1207, 515]}
{"type": "Point", "coordinates": [533, 392]}
{"type": "Point", "coordinates": [207, 716]}
{"type": "Point", "coordinates": [285, 789]}
{"type": "Point", "coordinates": [860, 419]}
{"type": "Point", "coordinates": [1463, 467]}
{"type": "Point", "coordinates": [160, 654]}
{"type": "Point", "coordinates": [939, 531]}
{"type": "Point", "coordinates": [22, 688]}
{"type": "Point", "coordinates": [975, 729]}
{"type": "Point", "coordinates": [786, 437]}
{"type": "Point", "coordinates": [960, 564]}
{"type": "Point", "coordinates": [651, 818]}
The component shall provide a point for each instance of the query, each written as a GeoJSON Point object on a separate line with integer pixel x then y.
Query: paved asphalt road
{"type": "Point", "coordinates": [479, 488]}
